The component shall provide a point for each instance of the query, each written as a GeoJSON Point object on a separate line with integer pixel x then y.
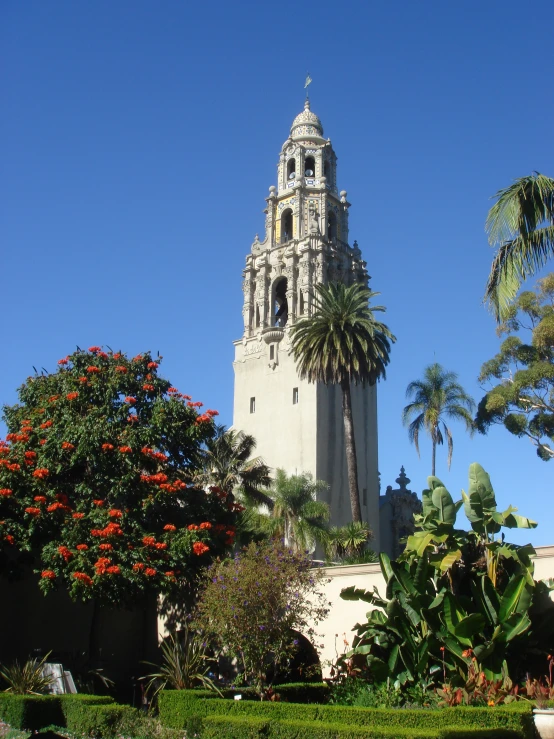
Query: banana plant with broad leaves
{"type": "Point", "coordinates": [456, 596]}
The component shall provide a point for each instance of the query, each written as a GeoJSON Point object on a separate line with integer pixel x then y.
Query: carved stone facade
{"type": "Point", "coordinates": [299, 426]}
{"type": "Point", "coordinates": [396, 513]}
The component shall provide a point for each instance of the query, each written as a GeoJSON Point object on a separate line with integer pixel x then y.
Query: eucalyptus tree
{"type": "Point", "coordinates": [436, 397]}
{"type": "Point", "coordinates": [521, 224]}
{"type": "Point", "coordinates": [342, 343]}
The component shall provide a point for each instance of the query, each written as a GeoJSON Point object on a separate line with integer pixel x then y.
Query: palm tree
{"type": "Point", "coordinates": [342, 343]}
{"type": "Point", "coordinates": [521, 222]}
{"type": "Point", "coordinates": [228, 464]}
{"type": "Point", "coordinates": [436, 397]}
{"type": "Point", "coordinates": [348, 541]}
{"type": "Point", "coordinates": [295, 514]}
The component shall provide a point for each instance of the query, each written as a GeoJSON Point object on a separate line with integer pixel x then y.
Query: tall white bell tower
{"type": "Point", "coordinates": [298, 426]}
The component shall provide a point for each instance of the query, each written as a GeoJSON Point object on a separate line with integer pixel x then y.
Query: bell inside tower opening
{"type": "Point", "coordinates": [281, 304]}
{"type": "Point", "coordinates": [286, 226]}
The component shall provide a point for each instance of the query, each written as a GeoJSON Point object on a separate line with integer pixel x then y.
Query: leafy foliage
{"type": "Point", "coordinates": [185, 664]}
{"type": "Point", "coordinates": [349, 542]}
{"type": "Point", "coordinates": [294, 513]}
{"type": "Point", "coordinates": [26, 678]}
{"type": "Point", "coordinates": [521, 375]}
{"type": "Point", "coordinates": [455, 596]}
{"type": "Point", "coordinates": [341, 342]}
{"type": "Point", "coordinates": [251, 606]}
{"type": "Point", "coordinates": [438, 396]}
{"type": "Point", "coordinates": [227, 463]}
{"type": "Point", "coordinates": [521, 223]}
{"type": "Point", "coordinates": [94, 481]}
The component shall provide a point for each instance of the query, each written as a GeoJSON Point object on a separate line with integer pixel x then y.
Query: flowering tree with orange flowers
{"type": "Point", "coordinates": [95, 481]}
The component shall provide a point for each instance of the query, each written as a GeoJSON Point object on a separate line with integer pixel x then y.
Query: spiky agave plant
{"type": "Point", "coordinates": [184, 664]}
{"type": "Point", "coordinates": [27, 678]}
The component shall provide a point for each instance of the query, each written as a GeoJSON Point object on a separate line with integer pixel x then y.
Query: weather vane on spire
{"type": "Point", "coordinates": [306, 84]}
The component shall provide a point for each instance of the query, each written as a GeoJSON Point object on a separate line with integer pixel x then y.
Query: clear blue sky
{"type": "Point", "coordinates": [139, 140]}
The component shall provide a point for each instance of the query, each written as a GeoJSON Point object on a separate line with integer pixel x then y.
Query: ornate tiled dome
{"type": "Point", "coordinates": [306, 123]}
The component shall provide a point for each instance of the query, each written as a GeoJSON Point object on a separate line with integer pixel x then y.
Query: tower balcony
{"type": "Point", "coordinates": [273, 334]}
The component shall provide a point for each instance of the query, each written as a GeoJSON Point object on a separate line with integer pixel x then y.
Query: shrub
{"type": "Point", "coordinates": [178, 707]}
{"type": "Point", "coordinates": [103, 721]}
{"type": "Point", "coordinates": [34, 712]}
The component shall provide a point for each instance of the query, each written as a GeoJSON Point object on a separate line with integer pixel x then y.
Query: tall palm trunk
{"type": "Point", "coordinates": [350, 444]}
{"type": "Point", "coordinates": [433, 459]}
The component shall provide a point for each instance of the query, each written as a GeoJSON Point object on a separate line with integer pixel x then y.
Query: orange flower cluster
{"type": "Point", "coordinates": [83, 578]}
{"type": "Point", "coordinates": [102, 354]}
{"type": "Point", "coordinates": [30, 455]}
{"type": "Point", "coordinates": [67, 445]}
{"type": "Point", "coordinates": [78, 515]}
{"type": "Point", "coordinates": [65, 552]}
{"type": "Point", "coordinates": [82, 547]}
{"type": "Point", "coordinates": [138, 358]}
{"type": "Point", "coordinates": [132, 419]}
{"type": "Point", "coordinates": [101, 565]}
{"type": "Point", "coordinates": [149, 572]}
{"type": "Point", "coordinates": [152, 365]}
{"type": "Point", "coordinates": [9, 538]}
{"type": "Point", "coordinates": [11, 467]}
{"type": "Point", "coordinates": [41, 473]}
{"type": "Point", "coordinates": [32, 511]}
{"type": "Point", "coordinates": [118, 355]}
{"type": "Point", "coordinates": [17, 437]}
{"type": "Point", "coordinates": [192, 527]}
{"type": "Point", "coordinates": [125, 449]}
{"type": "Point", "coordinates": [172, 488]}
{"type": "Point", "coordinates": [204, 418]}
{"type": "Point", "coordinates": [170, 527]}
{"type": "Point", "coordinates": [157, 478]}
{"type": "Point", "coordinates": [57, 507]}
{"type": "Point", "coordinates": [211, 412]}
{"type": "Point", "coordinates": [48, 574]}
{"type": "Point", "coordinates": [170, 573]}
{"type": "Point", "coordinates": [42, 442]}
{"type": "Point", "coordinates": [6, 492]}
{"type": "Point", "coordinates": [65, 360]}
{"type": "Point", "coordinates": [94, 349]}
{"type": "Point", "coordinates": [107, 447]}
{"type": "Point", "coordinates": [40, 499]}
{"type": "Point", "coordinates": [199, 548]}
{"type": "Point", "coordinates": [83, 379]}
{"type": "Point", "coordinates": [121, 368]}
{"type": "Point", "coordinates": [92, 370]}
{"type": "Point", "coordinates": [73, 395]}
{"type": "Point", "coordinates": [115, 513]}
{"type": "Point", "coordinates": [148, 388]}
{"type": "Point", "coordinates": [53, 398]}
{"type": "Point", "coordinates": [46, 424]}
{"type": "Point", "coordinates": [149, 541]}
{"type": "Point", "coordinates": [99, 503]}
{"type": "Point", "coordinates": [206, 525]}
{"type": "Point", "coordinates": [138, 567]}
{"type": "Point", "coordinates": [196, 404]}
{"type": "Point", "coordinates": [160, 456]}
{"type": "Point", "coordinates": [112, 529]}
{"type": "Point", "coordinates": [105, 547]}
{"type": "Point", "coordinates": [129, 399]}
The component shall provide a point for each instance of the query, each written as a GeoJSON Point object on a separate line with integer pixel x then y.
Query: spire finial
{"type": "Point", "coordinates": [306, 84]}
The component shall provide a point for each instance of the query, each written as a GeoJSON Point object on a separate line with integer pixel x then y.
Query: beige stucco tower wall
{"type": "Point", "coordinates": [298, 426]}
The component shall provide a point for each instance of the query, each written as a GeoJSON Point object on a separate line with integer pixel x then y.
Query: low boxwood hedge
{"type": "Point", "coordinates": [103, 721]}
{"type": "Point", "coordinates": [33, 712]}
{"type": "Point", "coordinates": [177, 708]}
{"type": "Point", "coordinates": [233, 727]}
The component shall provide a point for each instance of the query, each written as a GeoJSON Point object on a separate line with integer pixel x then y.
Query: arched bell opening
{"type": "Point", "coordinates": [301, 303]}
{"type": "Point", "coordinates": [309, 167]}
{"type": "Point", "coordinates": [331, 226]}
{"type": "Point", "coordinates": [291, 169]}
{"type": "Point", "coordinates": [280, 304]}
{"type": "Point", "coordinates": [286, 226]}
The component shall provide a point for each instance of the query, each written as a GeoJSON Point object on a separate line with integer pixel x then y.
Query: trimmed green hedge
{"type": "Point", "coordinates": [232, 727]}
{"type": "Point", "coordinates": [178, 708]}
{"type": "Point", "coordinates": [288, 692]}
{"type": "Point", "coordinates": [33, 712]}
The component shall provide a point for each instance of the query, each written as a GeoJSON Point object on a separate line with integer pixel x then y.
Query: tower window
{"type": "Point", "coordinates": [309, 167]}
{"type": "Point", "coordinates": [286, 226]}
{"type": "Point", "coordinates": [331, 226]}
{"type": "Point", "coordinates": [252, 405]}
{"type": "Point", "coordinates": [295, 396]}
{"type": "Point", "coordinates": [291, 169]}
{"type": "Point", "coordinates": [281, 307]}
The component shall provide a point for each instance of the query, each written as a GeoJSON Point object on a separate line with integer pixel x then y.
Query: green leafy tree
{"type": "Point", "coordinates": [521, 224]}
{"type": "Point", "coordinates": [253, 604]}
{"type": "Point", "coordinates": [228, 464]}
{"type": "Point", "coordinates": [456, 597]}
{"type": "Point", "coordinates": [348, 543]}
{"type": "Point", "coordinates": [93, 481]}
{"type": "Point", "coordinates": [342, 343]}
{"type": "Point", "coordinates": [436, 397]}
{"type": "Point", "coordinates": [294, 513]}
{"type": "Point", "coordinates": [521, 376]}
